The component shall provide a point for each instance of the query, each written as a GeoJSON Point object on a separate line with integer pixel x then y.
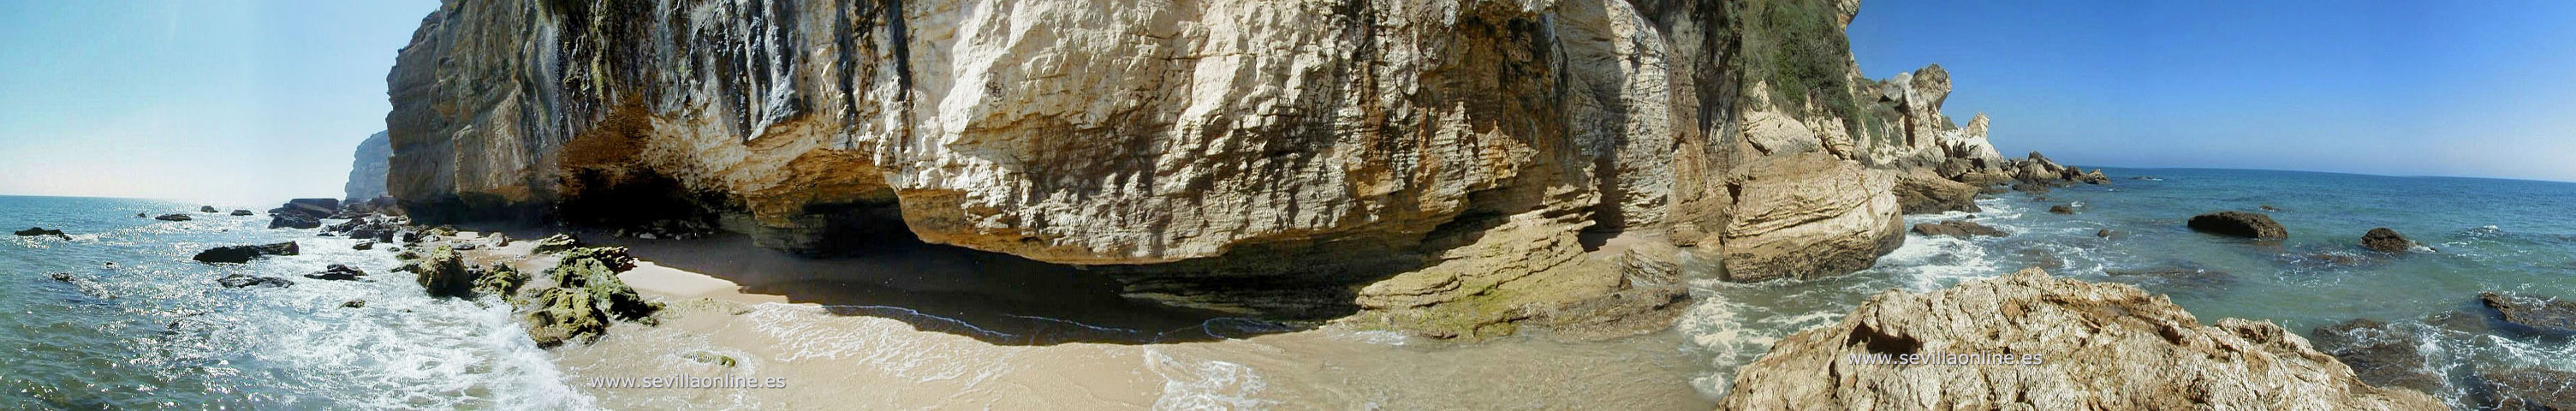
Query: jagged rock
{"type": "Point", "coordinates": [2528, 389]}
{"type": "Point", "coordinates": [173, 217]}
{"type": "Point", "coordinates": [41, 231]}
{"type": "Point", "coordinates": [338, 272]}
{"type": "Point", "coordinates": [292, 220]}
{"type": "Point", "coordinates": [1918, 195]}
{"type": "Point", "coordinates": [244, 253]}
{"type": "Point", "coordinates": [585, 296]}
{"type": "Point", "coordinates": [239, 213]}
{"type": "Point", "coordinates": [443, 274]}
{"type": "Point", "coordinates": [207, 209]}
{"type": "Point", "coordinates": [2061, 209]}
{"type": "Point", "coordinates": [557, 243]}
{"type": "Point", "coordinates": [367, 173]}
{"type": "Point", "coordinates": [1957, 228]}
{"type": "Point", "coordinates": [501, 280]}
{"type": "Point", "coordinates": [2542, 313]}
{"type": "Point", "coordinates": [2387, 241]}
{"type": "Point", "coordinates": [246, 280]}
{"type": "Point", "coordinates": [2070, 345]}
{"type": "Point", "coordinates": [2239, 224]}
{"type": "Point", "coordinates": [2380, 354]}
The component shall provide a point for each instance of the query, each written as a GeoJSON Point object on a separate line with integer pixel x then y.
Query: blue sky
{"type": "Point", "coordinates": [2479, 88]}
{"type": "Point", "coordinates": [250, 102]}
{"type": "Point", "coordinates": [231, 101]}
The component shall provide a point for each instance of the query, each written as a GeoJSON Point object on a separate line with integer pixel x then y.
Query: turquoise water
{"type": "Point", "coordinates": [155, 331]}
{"type": "Point", "coordinates": [2492, 235]}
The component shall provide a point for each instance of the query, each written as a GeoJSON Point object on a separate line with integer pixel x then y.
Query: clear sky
{"type": "Point", "coordinates": [250, 102]}
{"type": "Point", "coordinates": [2473, 88]}
{"type": "Point", "coordinates": [226, 101]}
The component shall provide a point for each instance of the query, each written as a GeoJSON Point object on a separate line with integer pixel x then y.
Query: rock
{"type": "Point", "coordinates": [500, 240]}
{"type": "Point", "coordinates": [2032, 341]}
{"type": "Point", "coordinates": [338, 273]}
{"type": "Point", "coordinates": [564, 315]}
{"type": "Point", "coordinates": [244, 253]}
{"type": "Point", "coordinates": [41, 231]}
{"type": "Point", "coordinates": [1919, 195]}
{"type": "Point", "coordinates": [2380, 354]}
{"type": "Point", "coordinates": [363, 245]}
{"type": "Point", "coordinates": [246, 280]}
{"type": "Point", "coordinates": [367, 174]}
{"type": "Point", "coordinates": [711, 359]}
{"type": "Point", "coordinates": [2269, 207]}
{"type": "Point", "coordinates": [207, 209]}
{"type": "Point", "coordinates": [354, 303]}
{"type": "Point", "coordinates": [138, 215]}
{"type": "Point", "coordinates": [586, 295]}
{"type": "Point", "coordinates": [2528, 388]}
{"type": "Point", "coordinates": [2239, 224]}
{"type": "Point", "coordinates": [466, 247]}
{"type": "Point", "coordinates": [238, 213]}
{"type": "Point", "coordinates": [63, 277]}
{"type": "Point", "coordinates": [443, 274]}
{"type": "Point", "coordinates": [1810, 217]}
{"type": "Point", "coordinates": [2387, 241]}
{"type": "Point", "coordinates": [173, 217]}
{"type": "Point", "coordinates": [2106, 233]}
{"type": "Point", "coordinates": [500, 279]}
{"type": "Point", "coordinates": [2061, 209]}
{"type": "Point", "coordinates": [292, 220]}
{"type": "Point", "coordinates": [309, 208]}
{"type": "Point", "coordinates": [557, 243]}
{"type": "Point", "coordinates": [1957, 228]}
{"type": "Point", "coordinates": [2030, 187]}
{"type": "Point", "coordinates": [2094, 177]}
{"type": "Point", "coordinates": [2542, 313]}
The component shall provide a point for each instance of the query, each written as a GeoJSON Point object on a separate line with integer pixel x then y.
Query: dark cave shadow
{"type": "Point", "coordinates": [993, 297]}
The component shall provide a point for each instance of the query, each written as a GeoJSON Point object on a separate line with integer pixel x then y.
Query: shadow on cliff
{"type": "Point", "coordinates": [997, 298]}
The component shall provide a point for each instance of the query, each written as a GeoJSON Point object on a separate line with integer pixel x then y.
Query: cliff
{"type": "Point", "coordinates": [367, 173]}
{"type": "Point", "coordinates": [1437, 165]}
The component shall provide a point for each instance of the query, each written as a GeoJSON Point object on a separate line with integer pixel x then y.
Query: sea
{"type": "Point", "coordinates": [141, 326]}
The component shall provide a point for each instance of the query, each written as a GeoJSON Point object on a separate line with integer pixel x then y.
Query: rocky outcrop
{"type": "Point", "coordinates": [2239, 224]}
{"type": "Point", "coordinates": [1439, 152]}
{"type": "Point", "coordinates": [244, 253]}
{"type": "Point", "coordinates": [1957, 228]}
{"type": "Point", "coordinates": [1917, 194]}
{"type": "Point", "coordinates": [2387, 241]}
{"type": "Point", "coordinates": [2541, 313]}
{"type": "Point", "coordinates": [2032, 341]}
{"type": "Point", "coordinates": [367, 173]}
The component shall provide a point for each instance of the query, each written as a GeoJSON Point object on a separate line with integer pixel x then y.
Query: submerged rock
{"type": "Point", "coordinates": [2528, 389]}
{"type": "Point", "coordinates": [63, 277]}
{"type": "Point", "coordinates": [1957, 228]}
{"type": "Point", "coordinates": [2061, 209]}
{"type": "Point", "coordinates": [2543, 313]}
{"type": "Point", "coordinates": [338, 272]}
{"type": "Point", "coordinates": [244, 253]}
{"type": "Point", "coordinates": [443, 274]}
{"type": "Point", "coordinates": [2032, 341]}
{"type": "Point", "coordinates": [2239, 224]}
{"type": "Point", "coordinates": [246, 280]}
{"type": "Point", "coordinates": [2380, 354]}
{"type": "Point", "coordinates": [41, 231]}
{"type": "Point", "coordinates": [173, 217]}
{"type": "Point", "coordinates": [2387, 241]}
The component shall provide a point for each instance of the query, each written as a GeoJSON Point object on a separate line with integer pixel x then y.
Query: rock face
{"type": "Point", "coordinates": [1457, 149]}
{"type": "Point", "coordinates": [2239, 224]}
{"type": "Point", "coordinates": [2070, 345]}
{"type": "Point", "coordinates": [244, 253]}
{"type": "Point", "coordinates": [367, 173]}
{"type": "Point", "coordinates": [2546, 314]}
{"type": "Point", "coordinates": [2387, 241]}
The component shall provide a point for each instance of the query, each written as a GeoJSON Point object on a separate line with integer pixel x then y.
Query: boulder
{"type": "Point", "coordinates": [238, 213]}
{"type": "Point", "coordinates": [207, 209]}
{"type": "Point", "coordinates": [2061, 209]}
{"type": "Point", "coordinates": [173, 217]}
{"type": "Point", "coordinates": [338, 272]}
{"type": "Point", "coordinates": [2106, 233]}
{"type": "Point", "coordinates": [246, 280]}
{"type": "Point", "coordinates": [2542, 313]}
{"type": "Point", "coordinates": [585, 296]}
{"type": "Point", "coordinates": [244, 253]}
{"type": "Point", "coordinates": [2032, 341]}
{"type": "Point", "coordinates": [292, 220]}
{"type": "Point", "coordinates": [557, 243]}
{"type": "Point", "coordinates": [2239, 224]}
{"type": "Point", "coordinates": [41, 231]}
{"type": "Point", "coordinates": [2380, 354]}
{"type": "Point", "coordinates": [1957, 228]}
{"type": "Point", "coordinates": [500, 279]}
{"type": "Point", "coordinates": [443, 274]}
{"type": "Point", "coordinates": [364, 245]}
{"type": "Point", "coordinates": [2387, 241]}
{"type": "Point", "coordinates": [2527, 389]}
{"type": "Point", "coordinates": [564, 315]}
{"type": "Point", "coordinates": [1920, 195]}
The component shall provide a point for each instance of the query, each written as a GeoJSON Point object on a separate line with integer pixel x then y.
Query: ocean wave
{"type": "Point", "coordinates": [1205, 384]}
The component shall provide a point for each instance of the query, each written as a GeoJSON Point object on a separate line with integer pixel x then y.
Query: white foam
{"type": "Point", "coordinates": [1205, 385]}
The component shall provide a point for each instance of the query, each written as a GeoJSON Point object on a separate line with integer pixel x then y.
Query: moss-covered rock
{"type": "Point", "coordinates": [557, 243]}
{"type": "Point", "coordinates": [444, 275]}
{"type": "Point", "coordinates": [501, 280]}
{"type": "Point", "coordinates": [565, 315]}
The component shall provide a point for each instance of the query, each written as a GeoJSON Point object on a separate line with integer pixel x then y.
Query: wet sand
{"type": "Point", "coordinates": [839, 346]}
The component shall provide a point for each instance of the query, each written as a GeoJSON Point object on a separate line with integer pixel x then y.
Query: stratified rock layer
{"type": "Point", "coordinates": [1441, 151]}
{"type": "Point", "coordinates": [367, 171]}
{"type": "Point", "coordinates": [2095, 346]}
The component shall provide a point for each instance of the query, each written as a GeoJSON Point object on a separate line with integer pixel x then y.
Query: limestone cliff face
{"type": "Point", "coordinates": [1448, 154]}
{"type": "Point", "coordinates": [367, 172]}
